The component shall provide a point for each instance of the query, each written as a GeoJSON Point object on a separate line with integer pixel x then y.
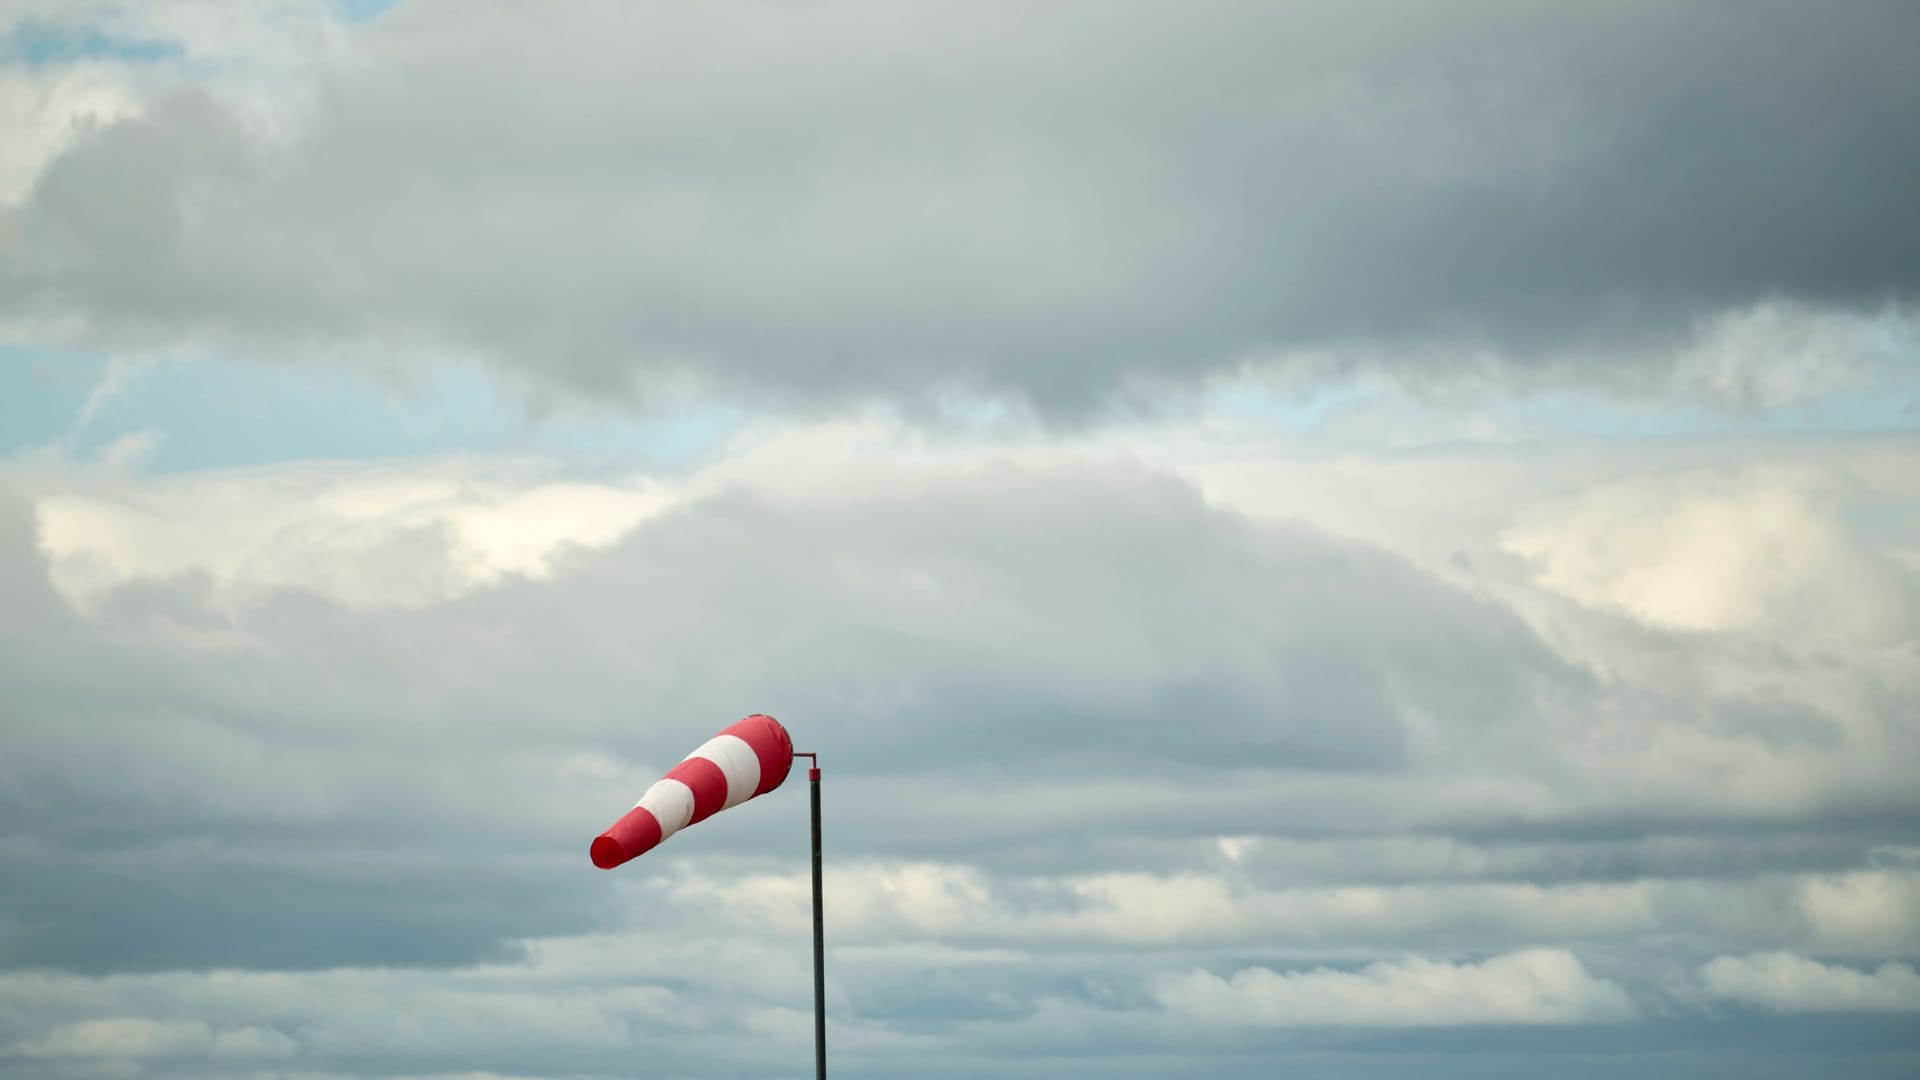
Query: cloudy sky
{"type": "Point", "coordinates": [1327, 540]}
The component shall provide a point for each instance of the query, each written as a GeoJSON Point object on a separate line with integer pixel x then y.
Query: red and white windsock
{"type": "Point", "coordinates": [750, 758]}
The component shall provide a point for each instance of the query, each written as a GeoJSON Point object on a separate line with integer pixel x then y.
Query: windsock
{"type": "Point", "coordinates": [747, 759]}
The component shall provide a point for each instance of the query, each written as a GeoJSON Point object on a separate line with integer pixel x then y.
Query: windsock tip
{"type": "Point", "coordinates": [607, 852]}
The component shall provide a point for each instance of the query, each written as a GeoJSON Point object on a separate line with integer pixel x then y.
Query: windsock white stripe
{"type": "Point", "coordinates": [671, 804]}
{"type": "Point", "coordinates": [738, 763]}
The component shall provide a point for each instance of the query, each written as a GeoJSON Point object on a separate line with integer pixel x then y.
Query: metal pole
{"type": "Point", "coordinates": [819, 938]}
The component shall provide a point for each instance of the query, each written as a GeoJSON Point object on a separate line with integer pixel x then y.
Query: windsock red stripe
{"type": "Point", "coordinates": [635, 833]}
{"type": "Point", "coordinates": [749, 758]}
{"type": "Point", "coordinates": [706, 781]}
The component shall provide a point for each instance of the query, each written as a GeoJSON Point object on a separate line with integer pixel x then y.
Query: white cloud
{"type": "Point", "coordinates": [121, 373]}
{"type": "Point", "coordinates": [1536, 986]}
{"type": "Point", "coordinates": [1865, 913]}
{"type": "Point", "coordinates": [363, 535]}
{"type": "Point", "coordinates": [895, 900]}
{"type": "Point", "coordinates": [45, 112]}
{"type": "Point", "coordinates": [1783, 982]}
{"type": "Point", "coordinates": [141, 1037]}
{"type": "Point", "coordinates": [1776, 354]}
{"type": "Point", "coordinates": [1758, 550]}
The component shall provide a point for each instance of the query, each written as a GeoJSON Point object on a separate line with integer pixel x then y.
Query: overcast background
{"type": "Point", "coordinates": [1327, 540]}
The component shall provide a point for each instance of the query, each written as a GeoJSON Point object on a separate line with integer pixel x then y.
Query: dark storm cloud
{"type": "Point", "coordinates": [842, 199]}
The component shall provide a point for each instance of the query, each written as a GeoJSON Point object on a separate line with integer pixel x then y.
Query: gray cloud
{"type": "Point", "coordinates": [838, 200]}
{"type": "Point", "coordinates": [998, 652]}
{"type": "Point", "coordinates": [1044, 670]}
{"type": "Point", "coordinates": [352, 787]}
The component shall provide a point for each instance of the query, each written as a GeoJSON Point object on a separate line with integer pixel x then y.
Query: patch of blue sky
{"type": "Point", "coordinates": [1293, 413]}
{"type": "Point", "coordinates": [218, 414]}
{"type": "Point", "coordinates": [44, 41]}
{"type": "Point", "coordinates": [1877, 411]}
{"type": "Point", "coordinates": [41, 395]}
{"type": "Point", "coordinates": [360, 11]}
{"type": "Point", "coordinates": [38, 41]}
